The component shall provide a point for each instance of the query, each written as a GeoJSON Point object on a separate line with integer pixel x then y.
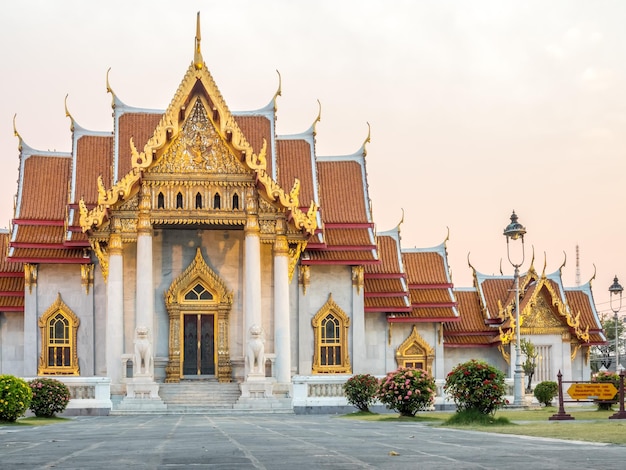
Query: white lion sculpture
{"type": "Point", "coordinates": [143, 362]}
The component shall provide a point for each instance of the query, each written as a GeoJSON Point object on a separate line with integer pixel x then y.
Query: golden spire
{"type": "Point", "coordinates": [17, 134]}
{"type": "Point", "coordinates": [318, 118]}
{"type": "Point", "coordinates": [197, 54]}
{"type": "Point", "coordinates": [69, 115]}
{"type": "Point", "coordinates": [367, 139]}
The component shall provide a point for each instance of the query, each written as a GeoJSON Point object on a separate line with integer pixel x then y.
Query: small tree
{"type": "Point", "coordinates": [545, 392]}
{"type": "Point", "coordinates": [361, 390]}
{"type": "Point", "coordinates": [476, 385]}
{"type": "Point", "coordinates": [15, 396]}
{"type": "Point", "coordinates": [530, 351]}
{"type": "Point", "coordinates": [408, 390]}
{"type": "Point", "coordinates": [49, 397]}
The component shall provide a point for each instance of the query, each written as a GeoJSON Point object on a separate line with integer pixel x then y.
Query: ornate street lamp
{"type": "Point", "coordinates": [515, 231]}
{"type": "Point", "coordinates": [615, 289]}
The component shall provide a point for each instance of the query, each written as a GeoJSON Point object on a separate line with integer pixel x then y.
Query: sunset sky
{"type": "Point", "coordinates": [476, 108]}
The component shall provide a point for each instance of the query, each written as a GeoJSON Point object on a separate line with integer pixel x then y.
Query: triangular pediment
{"type": "Point", "coordinates": [197, 133]}
{"type": "Point", "coordinates": [198, 148]}
{"type": "Point", "coordinates": [541, 316]}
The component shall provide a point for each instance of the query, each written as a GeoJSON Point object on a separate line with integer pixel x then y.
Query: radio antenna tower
{"type": "Point", "coordinates": [577, 267]}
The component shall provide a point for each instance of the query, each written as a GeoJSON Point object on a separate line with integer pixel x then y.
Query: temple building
{"type": "Point", "coordinates": [198, 249]}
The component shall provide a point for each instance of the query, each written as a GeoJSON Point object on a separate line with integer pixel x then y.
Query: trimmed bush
{"type": "Point", "coordinates": [545, 392]}
{"type": "Point", "coordinates": [476, 385]}
{"type": "Point", "coordinates": [49, 397]}
{"type": "Point", "coordinates": [407, 391]}
{"type": "Point", "coordinates": [15, 396]}
{"type": "Point", "coordinates": [361, 390]}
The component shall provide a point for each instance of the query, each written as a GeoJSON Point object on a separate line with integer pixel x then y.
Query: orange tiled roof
{"type": "Point", "coordinates": [5, 265]}
{"type": "Point", "coordinates": [94, 155]}
{"type": "Point", "coordinates": [11, 280]}
{"type": "Point", "coordinates": [257, 128]}
{"type": "Point", "coordinates": [423, 267]}
{"type": "Point", "coordinates": [294, 161]}
{"type": "Point", "coordinates": [491, 290]}
{"type": "Point", "coordinates": [346, 257]}
{"type": "Point", "coordinates": [42, 255]}
{"type": "Point", "coordinates": [471, 327]}
{"type": "Point", "coordinates": [39, 234]}
{"type": "Point", "coordinates": [342, 197]}
{"type": "Point", "coordinates": [390, 262]}
{"type": "Point", "coordinates": [139, 126]}
{"type": "Point", "coordinates": [44, 188]}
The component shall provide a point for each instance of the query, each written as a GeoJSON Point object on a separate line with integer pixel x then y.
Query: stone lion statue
{"type": "Point", "coordinates": [256, 351]}
{"type": "Point", "coordinates": [143, 361]}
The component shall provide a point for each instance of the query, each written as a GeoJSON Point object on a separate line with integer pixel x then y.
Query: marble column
{"type": "Point", "coordinates": [282, 331]}
{"type": "Point", "coordinates": [359, 356]}
{"type": "Point", "coordinates": [115, 309]}
{"type": "Point", "coordinates": [145, 288]}
{"type": "Point", "coordinates": [32, 337]}
{"type": "Point", "coordinates": [252, 269]}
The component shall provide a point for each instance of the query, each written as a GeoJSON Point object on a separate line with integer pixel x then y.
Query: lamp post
{"type": "Point", "coordinates": [615, 289]}
{"type": "Point", "coordinates": [515, 231]}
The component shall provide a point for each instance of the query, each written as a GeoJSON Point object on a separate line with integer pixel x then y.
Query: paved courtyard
{"type": "Point", "coordinates": [284, 442]}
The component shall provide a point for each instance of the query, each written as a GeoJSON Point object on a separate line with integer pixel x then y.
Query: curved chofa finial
{"type": "Point", "coordinates": [401, 220]}
{"type": "Point", "coordinates": [594, 275]}
{"type": "Point", "coordinates": [469, 263]}
{"type": "Point", "coordinates": [545, 263]}
{"type": "Point", "coordinates": [110, 90]}
{"type": "Point", "coordinates": [318, 118]}
{"type": "Point", "coordinates": [367, 139]}
{"type": "Point", "coordinates": [564, 261]}
{"type": "Point", "coordinates": [532, 260]}
{"type": "Point", "coordinates": [69, 115]}
{"type": "Point", "coordinates": [279, 92]}
{"type": "Point", "coordinates": [501, 272]}
{"type": "Point", "coordinates": [17, 134]}
{"type": "Point", "coordinates": [197, 53]}
{"type": "Point", "coordinates": [447, 236]}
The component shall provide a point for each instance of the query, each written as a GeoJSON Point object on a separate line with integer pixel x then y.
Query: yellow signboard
{"type": "Point", "coordinates": [600, 391]}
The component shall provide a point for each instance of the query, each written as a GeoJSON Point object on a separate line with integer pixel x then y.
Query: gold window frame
{"type": "Point", "coordinates": [344, 367]}
{"type": "Point", "coordinates": [44, 322]}
{"type": "Point", "coordinates": [414, 349]}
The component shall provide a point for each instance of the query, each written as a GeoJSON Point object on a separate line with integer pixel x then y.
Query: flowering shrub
{"type": "Point", "coordinates": [605, 376]}
{"type": "Point", "coordinates": [15, 397]}
{"type": "Point", "coordinates": [475, 385]}
{"type": "Point", "coordinates": [407, 391]}
{"type": "Point", "coordinates": [545, 392]}
{"type": "Point", "coordinates": [49, 397]}
{"type": "Point", "coordinates": [361, 390]}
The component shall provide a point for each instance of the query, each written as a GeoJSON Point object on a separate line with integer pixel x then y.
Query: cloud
{"type": "Point", "coordinates": [597, 79]}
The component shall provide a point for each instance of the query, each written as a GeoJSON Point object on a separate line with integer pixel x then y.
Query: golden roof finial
{"type": "Point", "coordinates": [197, 54]}
{"type": "Point", "coordinates": [279, 92]}
{"type": "Point", "coordinates": [367, 139]}
{"type": "Point", "coordinates": [564, 262]}
{"type": "Point", "coordinates": [318, 118]}
{"type": "Point", "coordinates": [110, 90]}
{"type": "Point", "coordinates": [17, 134]}
{"type": "Point", "coordinates": [68, 114]}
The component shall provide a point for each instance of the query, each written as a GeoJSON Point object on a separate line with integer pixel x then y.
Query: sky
{"type": "Point", "coordinates": [476, 108]}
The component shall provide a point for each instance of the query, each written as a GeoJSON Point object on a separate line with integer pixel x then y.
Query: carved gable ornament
{"type": "Point", "coordinates": [198, 148]}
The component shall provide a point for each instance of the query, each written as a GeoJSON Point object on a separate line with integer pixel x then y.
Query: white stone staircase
{"type": "Point", "coordinates": [199, 396]}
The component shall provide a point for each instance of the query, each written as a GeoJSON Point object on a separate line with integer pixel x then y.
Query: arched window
{"type": "Point", "coordinates": [198, 201]}
{"type": "Point", "coordinates": [236, 201]}
{"type": "Point", "coordinates": [58, 326]}
{"type": "Point", "coordinates": [179, 201]}
{"type": "Point", "coordinates": [330, 326]}
{"type": "Point", "coordinates": [217, 201]}
{"type": "Point", "coordinates": [160, 201]}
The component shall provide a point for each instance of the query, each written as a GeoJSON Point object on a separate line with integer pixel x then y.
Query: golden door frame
{"type": "Point", "coordinates": [179, 302]}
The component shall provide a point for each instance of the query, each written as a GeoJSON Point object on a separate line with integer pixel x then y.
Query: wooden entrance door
{"type": "Point", "coordinates": [199, 344]}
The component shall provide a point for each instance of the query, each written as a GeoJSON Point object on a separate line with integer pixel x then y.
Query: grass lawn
{"type": "Point", "coordinates": [34, 421]}
{"type": "Point", "coordinates": [589, 424]}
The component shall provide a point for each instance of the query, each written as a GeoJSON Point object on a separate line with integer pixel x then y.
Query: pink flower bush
{"type": "Point", "coordinates": [407, 391]}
